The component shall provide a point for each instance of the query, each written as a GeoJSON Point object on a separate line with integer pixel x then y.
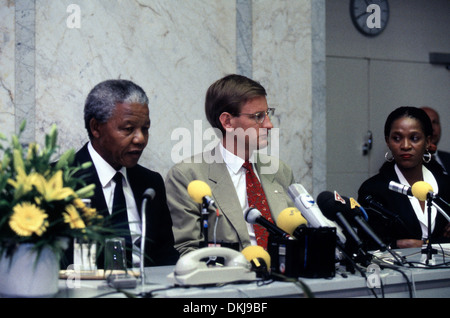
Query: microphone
{"type": "Point", "coordinates": [370, 202]}
{"type": "Point", "coordinates": [149, 194]}
{"type": "Point", "coordinates": [201, 193]}
{"type": "Point", "coordinates": [310, 211]}
{"type": "Point", "coordinates": [291, 221]}
{"type": "Point", "coordinates": [422, 190]}
{"type": "Point", "coordinates": [361, 221]}
{"type": "Point", "coordinates": [351, 208]}
{"type": "Point", "coordinates": [259, 258]}
{"type": "Point", "coordinates": [253, 216]}
{"type": "Point", "coordinates": [400, 188]}
{"type": "Point", "coordinates": [354, 205]}
{"type": "Point", "coordinates": [332, 205]}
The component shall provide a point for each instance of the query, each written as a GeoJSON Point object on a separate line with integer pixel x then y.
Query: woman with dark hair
{"type": "Point", "coordinates": [407, 134]}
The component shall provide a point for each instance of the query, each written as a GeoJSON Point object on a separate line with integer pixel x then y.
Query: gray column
{"type": "Point", "coordinates": [25, 97]}
{"type": "Point", "coordinates": [318, 73]}
{"type": "Point", "coordinates": [244, 23]}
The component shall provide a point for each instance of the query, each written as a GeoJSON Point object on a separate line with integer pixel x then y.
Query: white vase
{"type": "Point", "coordinates": [22, 276]}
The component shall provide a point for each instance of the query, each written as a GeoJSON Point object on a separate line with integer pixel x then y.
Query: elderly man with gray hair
{"type": "Point", "coordinates": [117, 120]}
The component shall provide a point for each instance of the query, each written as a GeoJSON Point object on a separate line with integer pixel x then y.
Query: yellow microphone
{"type": "Point", "coordinates": [198, 189]}
{"type": "Point", "coordinates": [420, 190]}
{"type": "Point", "coordinates": [201, 193]}
{"type": "Point", "coordinates": [291, 221]}
{"type": "Point", "coordinates": [259, 258]}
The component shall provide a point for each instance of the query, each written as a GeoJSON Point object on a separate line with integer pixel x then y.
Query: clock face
{"type": "Point", "coordinates": [370, 17]}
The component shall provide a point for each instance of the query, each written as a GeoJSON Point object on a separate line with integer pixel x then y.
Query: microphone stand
{"type": "Point", "coordinates": [148, 194]}
{"type": "Point", "coordinates": [205, 215]}
{"type": "Point", "coordinates": [144, 229]}
{"type": "Point", "coordinates": [429, 251]}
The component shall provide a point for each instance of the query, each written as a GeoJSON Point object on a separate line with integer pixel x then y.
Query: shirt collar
{"type": "Point", "coordinates": [233, 162]}
{"type": "Point", "coordinates": [104, 170]}
{"type": "Point", "coordinates": [427, 177]}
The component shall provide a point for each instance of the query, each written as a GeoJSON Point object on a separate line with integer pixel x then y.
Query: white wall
{"type": "Point", "coordinates": [369, 77]}
{"type": "Point", "coordinates": [174, 49]}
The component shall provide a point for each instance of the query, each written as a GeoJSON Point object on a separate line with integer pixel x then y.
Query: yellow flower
{"type": "Point", "coordinates": [33, 148]}
{"type": "Point", "coordinates": [88, 213]}
{"type": "Point", "coordinates": [53, 190]}
{"type": "Point", "coordinates": [72, 217]}
{"type": "Point", "coordinates": [18, 160]}
{"type": "Point", "coordinates": [24, 183]}
{"type": "Point", "coordinates": [28, 219]}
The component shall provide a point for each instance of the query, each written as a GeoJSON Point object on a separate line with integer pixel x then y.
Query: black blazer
{"type": "Point", "coordinates": [405, 225]}
{"type": "Point", "coordinates": [159, 246]}
{"type": "Point", "coordinates": [445, 159]}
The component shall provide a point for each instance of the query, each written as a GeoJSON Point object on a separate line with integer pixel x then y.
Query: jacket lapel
{"type": "Point", "coordinates": [225, 195]}
{"type": "Point", "coordinates": [98, 199]}
{"type": "Point", "coordinates": [274, 192]}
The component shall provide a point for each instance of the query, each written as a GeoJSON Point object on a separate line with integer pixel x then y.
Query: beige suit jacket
{"type": "Point", "coordinates": [231, 228]}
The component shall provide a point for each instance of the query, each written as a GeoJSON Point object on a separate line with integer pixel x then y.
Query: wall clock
{"type": "Point", "coordinates": [370, 17]}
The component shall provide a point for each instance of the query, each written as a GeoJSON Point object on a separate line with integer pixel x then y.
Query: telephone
{"type": "Point", "coordinates": [191, 269]}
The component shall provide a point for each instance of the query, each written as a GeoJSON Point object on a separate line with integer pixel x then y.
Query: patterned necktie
{"type": "Point", "coordinates": [120, 215]}
{"type": "Point", "coordinates": [257, 199]}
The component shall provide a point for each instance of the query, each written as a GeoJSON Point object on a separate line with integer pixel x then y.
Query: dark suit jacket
{"type": "Point", "coordinates": [160, 242]}
{"type": "Point", "coordinates": [389, 229]}
{"type": "Point", "coordinates": [445, 159]}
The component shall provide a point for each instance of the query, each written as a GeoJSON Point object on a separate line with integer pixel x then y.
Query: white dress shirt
{"type": "Point", "coordinates": [237, 174]}
{"type": "Point", "coordinates": [106, 174]}
{"type": "Point", "coordinates": [422, 215]}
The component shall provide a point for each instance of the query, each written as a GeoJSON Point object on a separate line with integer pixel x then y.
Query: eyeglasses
{"type": "Point", "coordinates": [259, 117]}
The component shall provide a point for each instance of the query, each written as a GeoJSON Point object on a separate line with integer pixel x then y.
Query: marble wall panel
{"type": "Point", "coordinates": [174, 49]}
{"type": "Point", "coordinates": [282, 62]}
{"type": "Point", "coordinates": [7, 69]}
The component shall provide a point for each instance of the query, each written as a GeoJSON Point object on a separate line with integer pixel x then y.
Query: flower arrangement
{"type": "Point", "coordinates": [38, 200]}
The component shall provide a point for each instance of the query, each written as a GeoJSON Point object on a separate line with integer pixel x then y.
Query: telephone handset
{"type": "Point", "coordinates": [191, 269]}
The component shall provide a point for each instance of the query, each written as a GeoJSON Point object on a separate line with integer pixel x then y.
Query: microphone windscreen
{"type": "Point", "coordinates": [251, 215]}
{"type": "Point", "coordinates": [330, 204]}
{"type": "Point", "coordinates": [198, 189]}
{"type": "Point", "coordinates": [420, 190]}
{"type": "Point", "coordinates": [253, 252]}
{"type": "Point", "coordinates": [149, 194]}
{"type": "Point", "coordinates": [289, 219]}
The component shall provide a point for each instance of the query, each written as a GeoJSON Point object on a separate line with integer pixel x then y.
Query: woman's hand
{"type": "Point", "coordinates": [447, 230]}
{"type": "Point", "coordinates": [407, 243]}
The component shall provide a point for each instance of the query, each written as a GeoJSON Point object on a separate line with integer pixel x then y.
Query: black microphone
{"type": "Point", "coordinates": [332, 205]}
{"type": "Point", "coordinates": [370, 202]}
{"type": "Point", "coordinates": [253, 216]}
{"type": "Point", "coordinates": [355, 212]}
{"type": "Point", "coordinates": [376, 206]}
{"type": "Point", "coordinates": [149, 194]}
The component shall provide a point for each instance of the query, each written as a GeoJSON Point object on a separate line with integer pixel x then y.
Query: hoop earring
{"type": "Point", "coordinates": [426, 157]}
{"type": "Point", "coordinates": [388, 159]}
